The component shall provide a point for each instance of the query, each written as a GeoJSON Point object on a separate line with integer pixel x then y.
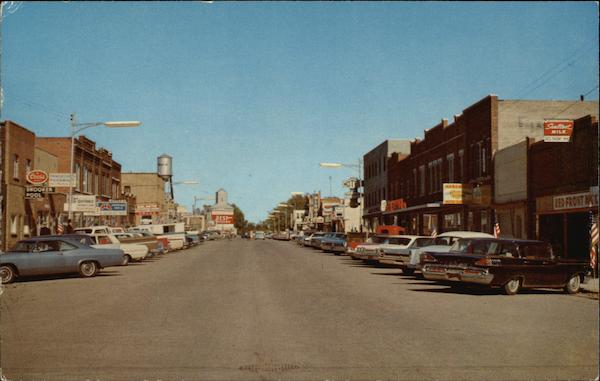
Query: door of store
{"type": "Point", "coordinates": [552, 231]}
{"type": "Point", "coordinates": [578, 237]}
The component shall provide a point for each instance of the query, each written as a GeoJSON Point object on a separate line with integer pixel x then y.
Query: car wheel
{"type": "Point", "coordinates": [88, 269]}
{"type": "Point", "coordinates": [125, 261]}
{"type": "Point", "coordinates": [572, 286]}
{"type": "Point", "coordinates": [408, 271]}
{"type": "Point", "coordinates": [512, 286]}
{"type": "Point", "coordinates": [7, 273]}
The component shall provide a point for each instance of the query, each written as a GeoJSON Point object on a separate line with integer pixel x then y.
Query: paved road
{"type": "Point", "coordinates": [269, 310]}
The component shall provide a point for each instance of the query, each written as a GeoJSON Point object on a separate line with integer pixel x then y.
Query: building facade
{"type": "Point", "coordinates": [149, 190]}
{"type": "Point", "coordinates": [222, 216]}
{"type": "Point", "coordinates": [97, 176]}
{"type": "Point", "coordinates": [564, 189]}
{"type": "Point", "coordinates": [375, 169]}
{"type": "Point", "coordinates": [448, 180]}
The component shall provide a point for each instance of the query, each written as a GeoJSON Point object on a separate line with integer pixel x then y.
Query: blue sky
{"type": "Point", "coordinates": [252, 96]}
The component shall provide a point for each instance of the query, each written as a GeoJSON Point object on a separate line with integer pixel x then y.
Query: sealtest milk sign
{"type": "Point", "coordinates": [558, 131]}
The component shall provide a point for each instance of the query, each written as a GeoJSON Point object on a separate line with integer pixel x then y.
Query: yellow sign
{"type": "Point", "coordinates": [456, 193]}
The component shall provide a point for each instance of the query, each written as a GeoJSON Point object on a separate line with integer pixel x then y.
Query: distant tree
{"type": "Point", "coordinates": [239, 219]}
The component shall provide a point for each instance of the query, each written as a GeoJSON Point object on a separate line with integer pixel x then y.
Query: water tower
{"type": "Point", "coordinates": [165, 171]}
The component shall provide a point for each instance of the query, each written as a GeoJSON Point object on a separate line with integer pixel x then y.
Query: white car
{"type": "Point", "coordinates": [398, 254]}
{"type": "Point", "coordinates": [442, 244]}
{"type": "Point", "coordinates": [369, 251]}
{"type": "Point", "coordinates": [133, 252]}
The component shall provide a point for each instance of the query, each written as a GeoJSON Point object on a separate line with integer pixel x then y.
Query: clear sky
{"type": "Point", "coordinates": [251, 96]}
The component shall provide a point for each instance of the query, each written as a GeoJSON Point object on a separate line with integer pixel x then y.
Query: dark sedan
{"type": "Point", "coordinates": [506, 263]}
{"type": "Point", "coordinates": [55, 255]}
{"type": "Point", "coordinates": [335, 243]}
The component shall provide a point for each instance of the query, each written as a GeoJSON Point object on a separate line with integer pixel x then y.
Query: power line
{"type": "Point", "coordinates": [574, 103]}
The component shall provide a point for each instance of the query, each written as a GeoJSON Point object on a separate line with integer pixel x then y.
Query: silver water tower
{"type": "Point", "coordinates": [165, 171]}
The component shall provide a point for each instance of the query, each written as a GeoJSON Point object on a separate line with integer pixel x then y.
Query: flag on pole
{"type": "Point", "coordinates": [593, 241]}
{"type": "Point", "coordinates": [434, 233]}
{"type": "Point", "coordinates": [60, 229]}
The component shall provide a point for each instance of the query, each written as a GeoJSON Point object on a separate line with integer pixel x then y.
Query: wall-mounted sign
{"type": "Point", "coordinates": [456, 193]}
{"type": "Point", "coordinates": [481, 195]}
{"type": "Point", "coordinates": [37, 177]}
{"type": "Point", "coordinates": [112, 208]}
{"type": "Point", "coordinates": [33, 195]}
{"type": "Point", "coordinates": [558, 131]}
{"type": "Point", "coordinates": [575, 201]}
{"type": "Point", "coordinates": [61, 179]}
{"type": "Point", "coordinates": [82, 203]}
{"type": "Point", "coordinates": [396, 204]}
{"type": "Point", "coordinates": [223, 219]}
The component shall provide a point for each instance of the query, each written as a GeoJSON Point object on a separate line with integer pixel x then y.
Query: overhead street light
{"type": "Point", "coordinates": [77, 128]}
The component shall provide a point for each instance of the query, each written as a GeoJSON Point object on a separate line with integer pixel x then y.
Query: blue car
{"type": "Point", "coordinates": [55, 255]}
{"type": "Point", "coordinates": [335, 243]}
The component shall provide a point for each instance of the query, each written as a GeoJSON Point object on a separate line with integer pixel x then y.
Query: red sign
{"type": "Point", "coordinates": [395, 204]}
{"type": "Point", "coordinates": [558, 131]}
{"type": "Point", "coordinates": [37, 177]}
{"type": "Point", "coordinates": [223, 219]}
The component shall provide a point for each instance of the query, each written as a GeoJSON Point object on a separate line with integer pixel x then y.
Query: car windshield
{"type": "Point", "coordinates": [460, 245]}
{"type": "Point", "coordinates": [422, 242]}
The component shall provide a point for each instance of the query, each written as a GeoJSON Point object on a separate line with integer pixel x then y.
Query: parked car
{"type": "Point", "coordinates": [55, 255]}
{"type": "Point", "coordinates": [315, 240]}
{"type": "Point", "coordinates": [259, 235]}
{"type": "Point", "coordinates": [398, 253]}
{"type": "Point", "coordinates": [510, 264]}
{"type": "Point", "coordinates": [133, 252]}
{"type": "Point", "coordinates": [442, 244]}
{"type": "Point", "coordinates": [369, 251]}
{"type": "Point", "coordinates": [334, 243]}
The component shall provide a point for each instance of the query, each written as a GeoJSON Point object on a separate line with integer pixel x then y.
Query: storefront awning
{"type": "Point", "coordinates": [416, 207]}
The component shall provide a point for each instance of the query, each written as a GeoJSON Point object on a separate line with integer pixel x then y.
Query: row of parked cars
{"type": "Point", "coordinates": [462, 258]}
{"type": "Point", "coordinates": [89, 250]}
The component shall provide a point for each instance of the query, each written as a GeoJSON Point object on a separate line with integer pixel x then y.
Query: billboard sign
{"type": "Point", "coordinates": [558, 131]}
{"type": "Point", "coordinates": [223, 219]}
{"type": "Point", "coordinates": [82, 203]}
{"type": "Point", "coordinates": [112, 208]}
{"type": "Point", "coordinates": [62, 179]}
{"type": "Point", "coordinates": [37, 177]}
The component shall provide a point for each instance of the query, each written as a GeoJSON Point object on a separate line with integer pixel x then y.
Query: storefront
{"type": "Point", "coordinates": [563, 220]}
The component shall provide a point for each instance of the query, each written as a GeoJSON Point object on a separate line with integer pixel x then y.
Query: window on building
{"type": "Point", "coordinates": [422, 180]}
{"type": "Point", "coordinates": [27, 165]}
{"type": "Point", "coordinates": [77, 176]}
{"type": "Point", "coordinates": [483, 160]}
{"type": "Point", "coordinates": [440, 163]}
{"type": "Point", "coordinates": [14, 225]}
{"type": "Point", "coordinates": [85, 184]}
{"type": "Point", "coordinates": [415, 182]}
{"type": "Point", "coordinates": [450, 160]}
{"type": "Point", "coordinates": [479, 161]}
{"type": "Point", "coordinates": [430, 176]}
{"type": "Point", "coordinates": [16, 167]}
{"type": "Point", "coordinates": [461, 154]}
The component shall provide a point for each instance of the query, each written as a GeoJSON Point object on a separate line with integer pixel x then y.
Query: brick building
{"type": "Point", "coordinates": [564, 189]}
{"type": "Point", "coordinates": [18, 155]}
{"type": "Point", "coordinates": [447, 181]}
{"type": "Point", "coordinates": [375, 164]}
{"type": "Point", "coordinates": [97, 174]}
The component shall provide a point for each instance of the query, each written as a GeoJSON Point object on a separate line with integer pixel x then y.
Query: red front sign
{"type": "Point", "coordinates": [223, 219]}
{"type": "Point", "coordinates": [558, 131]}
{"type": "Point", "coordinates": [396, 204]}
{"type": "Point", "coordinates": [37, 177]}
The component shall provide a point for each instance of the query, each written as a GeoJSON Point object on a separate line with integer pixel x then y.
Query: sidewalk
{"type": "Point", "coordinates": [590, 285]}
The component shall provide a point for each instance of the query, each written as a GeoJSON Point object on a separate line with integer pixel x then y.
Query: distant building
{"type": "Point", "coordinates": [149, 190]}
{"type": "Point", "coordinates": [221, 214]}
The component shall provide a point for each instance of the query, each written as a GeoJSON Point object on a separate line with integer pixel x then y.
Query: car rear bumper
{"type": "Point", "coordinates": [468, 275]}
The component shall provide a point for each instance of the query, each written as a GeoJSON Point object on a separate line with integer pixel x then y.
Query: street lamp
{"type": "Point", "coordinates": [196, 199]}
{"type": "Point", "coordinates": [77, 128]}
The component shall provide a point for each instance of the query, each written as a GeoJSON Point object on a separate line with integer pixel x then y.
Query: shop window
{"type": "Point", "coordinates": [485, 221]}
{"type": "Point", "coordinates": [452, 221]}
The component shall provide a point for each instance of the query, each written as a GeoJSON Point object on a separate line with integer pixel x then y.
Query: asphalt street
{"type": "Point", "coordinates": [271, 310]}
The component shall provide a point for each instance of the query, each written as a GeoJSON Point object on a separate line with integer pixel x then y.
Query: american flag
{"type": "Point", "coordinates": [593, 240]}
{"type": "Point", "coordinates": [60, 229]}
{"type": "Point", "coordinates": [497, 229]}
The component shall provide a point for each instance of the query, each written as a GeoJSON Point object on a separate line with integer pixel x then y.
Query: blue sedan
{"type": "Point", "coordinates": [55, 255]}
